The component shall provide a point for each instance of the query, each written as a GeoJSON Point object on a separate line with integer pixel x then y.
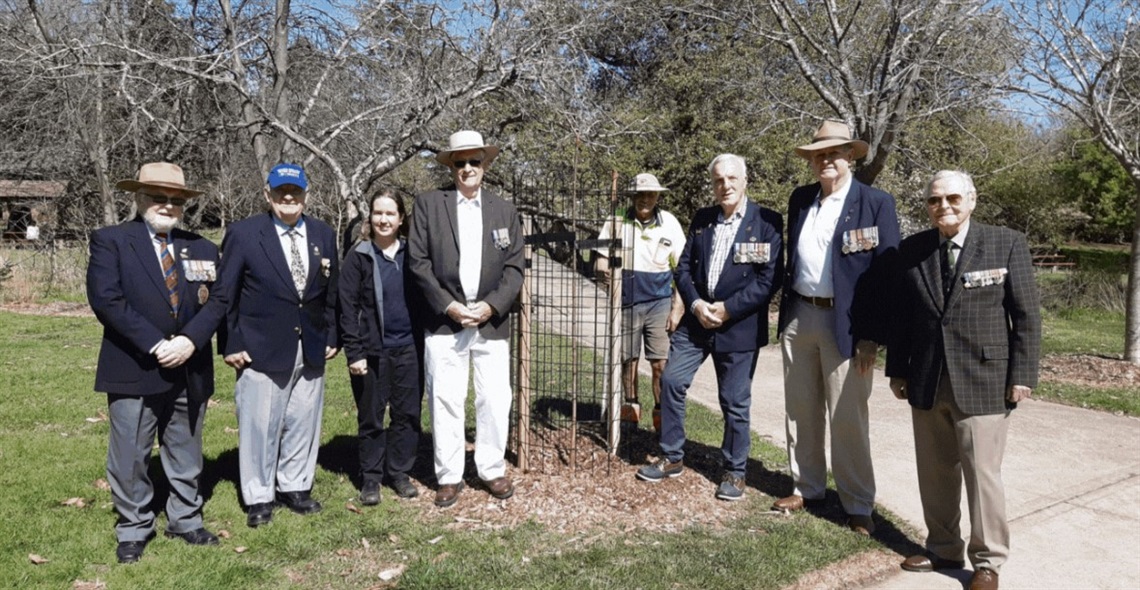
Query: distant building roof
{"type": "Point", "coordinates": [37, 189]}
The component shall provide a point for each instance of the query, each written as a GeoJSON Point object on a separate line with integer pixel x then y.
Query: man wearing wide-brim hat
{"type": "Point", "coordinates": [151, 286]}
{"type": "Point", "coordinates": [651, 244]}
{"type": "Point", "coordinates": [830, 325]}
{"type": "Point", "coordinates": [465, 251]}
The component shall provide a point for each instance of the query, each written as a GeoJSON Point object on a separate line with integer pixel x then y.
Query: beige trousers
{"type": "Point", "coordinates": [819, 389]}
{"type": "Point", "coordinates": [951, 447]}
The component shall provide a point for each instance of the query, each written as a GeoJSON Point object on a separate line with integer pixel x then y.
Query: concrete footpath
{"type": "Point", "coordinates": [1072, 480]}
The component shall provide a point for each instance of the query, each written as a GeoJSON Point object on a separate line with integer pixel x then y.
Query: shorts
{"type": "Point", "coordinates": [649, 319]}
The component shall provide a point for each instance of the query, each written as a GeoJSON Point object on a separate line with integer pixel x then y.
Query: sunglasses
{"type": "Point", "coordinates": [163, 199]}
{"type": "Point", "coordinates": [461, 164]}
{"type": "Point", "coordinates": [953, 200]}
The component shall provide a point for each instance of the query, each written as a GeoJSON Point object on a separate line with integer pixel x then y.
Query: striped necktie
{"type": "Point", "coordinates": [169, 271]}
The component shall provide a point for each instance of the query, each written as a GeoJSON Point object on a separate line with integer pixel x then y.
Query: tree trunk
{"type": "Point", "coordinates": [1132, 308]}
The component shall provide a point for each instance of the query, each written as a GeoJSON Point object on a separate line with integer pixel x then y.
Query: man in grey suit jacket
{"type": "Point", "coordinates": [465, 252]}
{"type": "Point", "coordinates": [964, 352]}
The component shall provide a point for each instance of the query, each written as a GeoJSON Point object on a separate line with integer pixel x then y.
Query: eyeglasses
{"type": "Point", "coordinates": [461, 164]}
{"type": "Point", "coordinates": [163, 199]}
{"type": "Point", "coordinates": [952, 200]}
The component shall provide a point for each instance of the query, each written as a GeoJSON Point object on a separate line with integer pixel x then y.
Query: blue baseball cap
{"type": "Point", "coordinates": [287, 174]}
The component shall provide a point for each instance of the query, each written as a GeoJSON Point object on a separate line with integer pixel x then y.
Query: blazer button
{"type": "Point", "coordinates": [297, 329]}
{"type": "Point", "coordinates": [301, 305]}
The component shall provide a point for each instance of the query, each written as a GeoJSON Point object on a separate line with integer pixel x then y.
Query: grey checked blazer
{"type": "Point", "coordinates": [987, 337]}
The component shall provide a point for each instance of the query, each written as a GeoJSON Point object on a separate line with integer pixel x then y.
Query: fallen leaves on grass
{"type": "Point", "coordinates": [102, 485]}
{"type": "Point", "coordinates": [435, 540]}
{"type": "Point", "coordinates": [392, 573]}
{"type": "Point", "coordinates": [364, 543]}
{"type": "Point", "coordinates": [229, 430]}
{"type": "Point", "coordinates": [352, 508]}
{"type": "Point", "coordinates": [87, 585]}
{"type": "Point", "coordinates": [101, 417]}
{"type": "Point", "coordinates": [76, 502]}
{"type": "Point", "coordinates": [240, 549]}
{"type": "Point", "coordinates": [37, 559]}
{"type": "Point", "coordinates": [224, 534]}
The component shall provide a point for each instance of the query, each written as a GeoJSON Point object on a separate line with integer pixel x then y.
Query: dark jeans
{"type": "Point", "coordinates": [392, 382]}
{"type": "Point", "coordinates": [734, 387]}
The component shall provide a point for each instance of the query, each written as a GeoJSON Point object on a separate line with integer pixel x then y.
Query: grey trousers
{"type": "Point", "coordinates": [279, 429]}
{"type": "Point", "coordinates": [135, 421]}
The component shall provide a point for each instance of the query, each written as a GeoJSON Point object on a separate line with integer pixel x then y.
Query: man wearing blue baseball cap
{"type": "Point", "coordinates": [279, 275]}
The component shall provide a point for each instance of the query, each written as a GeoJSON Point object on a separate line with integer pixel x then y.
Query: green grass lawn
{"type": "Point", "coordinates": [1092, 332]}
{"type": "Point", "coordinates": [53, 443]}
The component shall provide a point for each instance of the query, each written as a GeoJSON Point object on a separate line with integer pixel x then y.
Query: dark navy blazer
{"type": "Point", "coordinates": [859, 314]}
{"type": "Point", "coordinates": [266, 315]}
{"type": "Point", "coordinates": [745, 289]}
{"type": "Point", "coordinates": [126, 290]}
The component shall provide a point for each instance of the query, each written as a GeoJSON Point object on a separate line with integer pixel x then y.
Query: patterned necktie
{"type": "Point", "coordinates": [169, 271]}
{"type": "Point", "coordinates": [948, 259]}
{"type": "Point", "coordinates": [296, 267]}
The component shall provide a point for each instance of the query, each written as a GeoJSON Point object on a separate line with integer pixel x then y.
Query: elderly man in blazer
{"type": "Point", "coordinates": [964, 353]}
{"type": "Point", "coordinates": [839, 230]}
{"type": "Point", "coordinates": [727, 275]}
{"type": "Point", "coordinates": [466, 254]}
{"type": "Point", "coordinates": [151, 286]}
{"type": "Point", "coordinates": [279, 274]}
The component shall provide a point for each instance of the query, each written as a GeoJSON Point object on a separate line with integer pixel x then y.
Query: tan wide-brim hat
{"type": "Point", "coordinates": [832, 134]}
{"type": "Point", "coordinates": [467, 140]}
{"type": "Point", "coordinates": [646, 183]}
{"type": "Point", "coordinates": [159, 175]}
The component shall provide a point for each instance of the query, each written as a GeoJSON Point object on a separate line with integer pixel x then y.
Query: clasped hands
{"type": "Point", "coordinates": [470, 315]}
{"type": "Point", "coordinates": [710, 315]}
{"type": "Point", "coordinates": [173, 352]}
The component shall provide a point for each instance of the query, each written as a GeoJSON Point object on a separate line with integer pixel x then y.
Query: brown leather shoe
{"type": "Point", "coordinates": [861, 524]}
{"type": "Point", "coordinates": [984, 579]}
{"type": "Point", "coordinates": [928, 562]}
{"type": "Point", "coordinates": [448, 494]}
{"type": "Point", "coordinates": [796, 502]}
{"type": "Point", "coordinates": [500, 487]}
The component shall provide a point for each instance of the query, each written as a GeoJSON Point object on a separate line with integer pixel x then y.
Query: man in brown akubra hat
{"type": "Point", "coordinates": [151, 286]}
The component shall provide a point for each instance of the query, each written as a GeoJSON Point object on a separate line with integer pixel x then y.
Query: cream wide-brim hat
{"type": "Point", "coordinates": [466, 140]}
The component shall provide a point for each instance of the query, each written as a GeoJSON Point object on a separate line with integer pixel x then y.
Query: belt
{"type": "Point", "coordinates": [823, 302]}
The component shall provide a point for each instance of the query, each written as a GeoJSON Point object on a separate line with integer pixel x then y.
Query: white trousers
{"type": "Point", "coordinates": [447, 362]}
{"type": "Point", "coordinates": [279, 429]}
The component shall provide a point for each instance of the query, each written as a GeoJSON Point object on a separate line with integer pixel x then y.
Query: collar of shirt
{"type": "Point", "coordinates": [736, 216]}
{"type": "Point", "coordinates": [283, 230]}
{"type": "Point", "coordinates": [380, 251]}
{"type": "Point", "coordinates": [654, 221]}
{"type": "Point", "coordinates": [838, 196]}
{"type": "Point", "coordinates": [477, 201]}
{"type": "Point", "coordinates": [959, 238]}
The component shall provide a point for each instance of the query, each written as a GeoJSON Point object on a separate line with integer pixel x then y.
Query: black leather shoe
{"type": "Point", "coordinates": [299, 502]}
{"type": "Point", "coordinates": [196, 537]}
{"type": "Point", "coordinates": [370, 493]}
{"type": "Point", "coordinates": [130, 551]}
{"type": "Point", "coordinates": [404, 488]}
{"type": "Point", "coordinates": [259, 514]}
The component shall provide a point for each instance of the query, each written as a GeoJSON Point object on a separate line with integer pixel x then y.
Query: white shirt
{"type": "Point", "coordinates": [287, 242]}
{"type": "Point", "coordinates": [813, 250]}
{"type": "Point", "coordinates": [469, 215]}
